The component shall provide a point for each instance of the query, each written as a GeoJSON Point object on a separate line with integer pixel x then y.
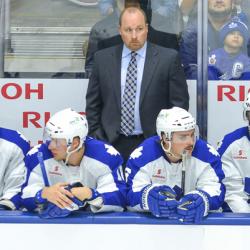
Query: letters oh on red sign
{"type": "Point", "coordinates": [13, 91]}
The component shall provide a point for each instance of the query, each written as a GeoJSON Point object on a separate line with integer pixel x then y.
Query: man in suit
{"type": "Point", "coordinates": [160, 83]}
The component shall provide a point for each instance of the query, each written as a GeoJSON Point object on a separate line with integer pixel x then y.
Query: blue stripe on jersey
{"type": "Point", "coordinates": [14, 137]}
{"type": "Point", "coordinates": [96, 149]}
{"type": "Point", "coordinates": [231, 137]}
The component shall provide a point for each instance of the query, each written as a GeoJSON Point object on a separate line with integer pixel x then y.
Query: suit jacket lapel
{"type": "Point", "coordinates": [115, 73]}
{"type": "Point", "coordinates": [149, 68]}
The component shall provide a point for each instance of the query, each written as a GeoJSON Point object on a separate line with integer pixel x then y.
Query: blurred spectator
{"type": "Point", "coordinates": [162, 7]}
{"type": "Point", "coordinates": [103, 29]}
{"type": "Point", "coordinates": [106, 7]}
{"type": "Point", "coordinates": [166, 16]}
{"type": "Point", "coordinates": [239, 5]}
{"type": "Point", "coordinates": [188, 9]}
{"type": "Point", "coordinates": [230, 62]}
{"type": "Point", "coordinates": [219, 13]}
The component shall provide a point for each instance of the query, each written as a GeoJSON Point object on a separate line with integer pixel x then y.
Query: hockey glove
{"type": "Point", "coordinates": [193, 207]}
{"type": "Point", "coordinates": [160, 201]}
{"type": "Point", "coordinates": [53, 211]}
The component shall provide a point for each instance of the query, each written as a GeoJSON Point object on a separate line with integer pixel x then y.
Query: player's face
{"type": "Point", "coordinates": [183, 141]}
{"type": "Point", "coordinates": [234, 40]}
{"type": "Point", "coordinates": [133, 30]}
{"type": "Point", "coordinates": [219, 7]}
{"type": "Point", "coordinates": [58, 148]}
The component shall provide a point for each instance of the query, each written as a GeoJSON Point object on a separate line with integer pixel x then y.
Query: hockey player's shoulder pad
{"type": "Point", "coordinates": [204, 151]}
{"type": "Point", "coordinates": [148, 151]}
{"type": "Point", "coordinates": [16, 138]}
{"type": "Point", "coordinates": [31, 159]}
{"type": "Point", "coordinates": [102, 152]}
{"type": "Point", "coordinates": [230, 138]}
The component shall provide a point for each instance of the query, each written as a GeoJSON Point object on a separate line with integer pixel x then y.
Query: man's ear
{"type": "Point", "coordinates": [166, 144]}
{"type": "Point", "coordinates": [76, 142]}
{"type": "Point", "coordinates": [165, 141]}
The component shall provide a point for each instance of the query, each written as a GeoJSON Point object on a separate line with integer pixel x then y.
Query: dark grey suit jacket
{"type": "Point", "coordinates": [163, 86]}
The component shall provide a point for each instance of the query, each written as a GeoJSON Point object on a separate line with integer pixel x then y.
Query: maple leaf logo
{"type": "Point", "coordinates": [34, 149]}
{"type": "Point", "coordinates": [136, 153]}
{"type": "Point", "coordinates": [212, 150]}
{"type": "Point", "coordinates": [111, 150]}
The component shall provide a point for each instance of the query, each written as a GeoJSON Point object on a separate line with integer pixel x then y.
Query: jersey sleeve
{"type": "Point", "coordinates": [112, 188]}
{"type": "Point", "coordinates": [106, 169]}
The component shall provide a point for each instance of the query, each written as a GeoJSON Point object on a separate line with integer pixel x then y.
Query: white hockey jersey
{"type": "Point", "coordinates": [149, 165]}
{"type": "Point", "coordinates": [13, 148]}
{"type": "Point", "coordinates": [235, 155]}
{"type": "Point", "coordinates": [100, 169]}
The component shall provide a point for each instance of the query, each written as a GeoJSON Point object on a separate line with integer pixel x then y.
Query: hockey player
{"type": "Point", "coordinates": [13, 148]}
{"type": "Point", "coordinates": [235, 155]}
{"type": "Point", "coordinates": [230, 62]}
{"type": "Point", "coordinates": [70, 170]}
{"type": "Point", "coordinates": [174, 175]}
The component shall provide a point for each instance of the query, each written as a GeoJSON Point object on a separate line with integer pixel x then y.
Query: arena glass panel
{"type": "Point", "coordinates": [228, 66]}
{"type": "Point", "coordinates": [46, 38]}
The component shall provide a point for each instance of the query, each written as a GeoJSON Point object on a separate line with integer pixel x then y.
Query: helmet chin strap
{"type": "Point", "coordinates": [69, 153]}
{"type": "Point", "coordinates": [168, 151]}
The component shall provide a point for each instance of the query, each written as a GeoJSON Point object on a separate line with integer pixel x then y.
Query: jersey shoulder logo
{"type": "Point", "coordinates": [34, 149]}
{"type": "Point", "coordinates": [111, 150]}
{"type": "Point", "coordinates": [136, 153]}
{"type": "Point", "coordinates": [212, 150]}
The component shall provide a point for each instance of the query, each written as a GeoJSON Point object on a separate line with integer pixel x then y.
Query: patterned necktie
{"type": "Point", "coordinates": [128, 103]}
